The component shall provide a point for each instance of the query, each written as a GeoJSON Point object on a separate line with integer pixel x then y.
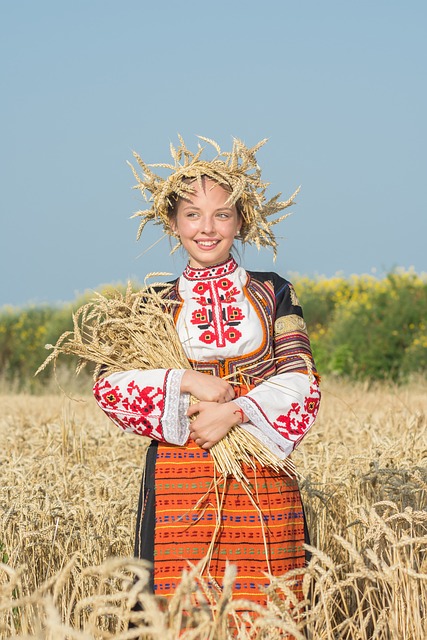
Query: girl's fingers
{"type": "Point", "coordinates": [193, 409]}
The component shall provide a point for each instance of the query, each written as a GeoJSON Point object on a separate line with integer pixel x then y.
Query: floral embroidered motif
{"type": "Point", "coordinates": [297, 420]}
{"type": "Point", "coordinates": [234, 313]}
{"type": "Point", "coordinates": [200, 316]}
{"type": "Point", "coordinates": [111, 397]}
{"type": "Point", "coordinates": [311, 405]}
{"type": "Point", "coordinates": [217, 321]}
{"type": "Point", "coordinates": [133, 411]}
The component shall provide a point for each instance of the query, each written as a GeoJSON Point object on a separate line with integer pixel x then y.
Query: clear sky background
{"type": "Point", "coordinates": [338, 87]}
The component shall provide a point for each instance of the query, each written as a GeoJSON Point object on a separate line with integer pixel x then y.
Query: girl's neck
{"type": "Point", "coordinates": [213, 271]}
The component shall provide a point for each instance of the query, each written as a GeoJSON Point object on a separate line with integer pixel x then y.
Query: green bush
{"type": "Point", "coordinates": [361, 327]}
{"type": "Point", "coordinates": [376, 328]}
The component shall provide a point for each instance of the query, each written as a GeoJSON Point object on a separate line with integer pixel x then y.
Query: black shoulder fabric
{"type": "Point", "coordinates": [286, 299]}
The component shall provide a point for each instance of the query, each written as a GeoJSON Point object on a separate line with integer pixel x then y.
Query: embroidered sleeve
{"type": "Point", "coordinates": [148, 403]}
{"type": "Point", "coordinates": [282, 408]}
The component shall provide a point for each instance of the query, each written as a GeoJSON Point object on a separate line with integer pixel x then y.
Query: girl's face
{"type": "Point", "coordinates": [205, 224]}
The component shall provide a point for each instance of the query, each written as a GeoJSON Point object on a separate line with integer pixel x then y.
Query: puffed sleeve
{"type": "Point", "coordinates": [282, 408]}
{"type": "Point", "coordinates": [148, 403]}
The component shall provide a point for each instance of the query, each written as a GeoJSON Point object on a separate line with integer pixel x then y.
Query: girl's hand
{"type": "Point", "coordinates": [206, 387]}
{"type": "Point", "coordinates": [213, 421]}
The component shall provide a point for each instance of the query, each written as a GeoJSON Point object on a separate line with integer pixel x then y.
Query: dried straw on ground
{"type": "Point", "coordinates": [137, 331]}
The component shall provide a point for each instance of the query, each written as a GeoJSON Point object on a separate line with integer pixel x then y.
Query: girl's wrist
{"type": "Point", "coordinates": [186, 381]}
{"type": "Point", "coordinates": [240, 415]}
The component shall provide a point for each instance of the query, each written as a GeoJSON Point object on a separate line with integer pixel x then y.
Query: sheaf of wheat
{"type": "Point", "coordinates": [136, 331]}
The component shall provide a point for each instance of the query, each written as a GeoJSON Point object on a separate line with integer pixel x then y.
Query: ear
{"type": "Point", "coordinates": [173, 225]}
{"type": "Point", "coordinates": [239, 222]}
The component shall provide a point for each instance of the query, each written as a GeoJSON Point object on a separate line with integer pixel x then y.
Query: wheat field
{"type": "Point", "coordinates": [68, 497]}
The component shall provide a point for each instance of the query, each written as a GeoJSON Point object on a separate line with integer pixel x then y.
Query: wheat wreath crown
{"type": "Point", "coordinates": [236, 170]}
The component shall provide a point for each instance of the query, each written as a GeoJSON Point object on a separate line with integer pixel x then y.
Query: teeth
{"type": "Point", "coordinates": [207, 244]}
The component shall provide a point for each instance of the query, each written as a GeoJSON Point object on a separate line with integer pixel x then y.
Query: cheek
{"type": "Point", "coordinates": [178, 224]}
{"type": "Point", "coordinates": [184, 228]}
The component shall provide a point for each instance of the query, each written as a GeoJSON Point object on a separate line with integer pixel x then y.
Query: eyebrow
{"type": "Point", "coordinates": [192, 206]}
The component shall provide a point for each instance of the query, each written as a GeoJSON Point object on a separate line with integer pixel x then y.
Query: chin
{"type": "Point", "coordinates": [206, 261]}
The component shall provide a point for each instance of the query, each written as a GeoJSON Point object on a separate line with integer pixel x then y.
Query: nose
{"type": "Point", "coordinates": [208, 225]}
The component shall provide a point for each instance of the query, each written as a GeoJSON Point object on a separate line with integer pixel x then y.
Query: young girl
{"type": "Point", "coordinates": [244, 334]}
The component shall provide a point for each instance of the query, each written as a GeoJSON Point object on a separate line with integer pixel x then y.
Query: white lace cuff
{"type": "Point", "coordinates": [175, 423]}
{"type": "Point", "coordinates": [279, 451]}
{"type": "Point", "coordinates": [260, 427]}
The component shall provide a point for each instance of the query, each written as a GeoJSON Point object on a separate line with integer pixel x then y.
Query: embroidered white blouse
{"type": "Point", "coordinates": [244, 324]}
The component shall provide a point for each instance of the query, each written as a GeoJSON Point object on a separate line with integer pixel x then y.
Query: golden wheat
{"type": "Point", "coordinates": [68, 499]}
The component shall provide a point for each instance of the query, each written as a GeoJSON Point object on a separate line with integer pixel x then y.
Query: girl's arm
{"type": "Point", "coordinates": [282, 408]}
{"type": "Point", "coordinates": [154, 403]}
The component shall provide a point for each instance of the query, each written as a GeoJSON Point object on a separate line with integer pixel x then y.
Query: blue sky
{"type": "Point", "coordinates": [338, 88]}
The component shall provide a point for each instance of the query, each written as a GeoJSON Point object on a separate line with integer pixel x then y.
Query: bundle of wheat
{"type": "Point", "coordinates": [136, 331]}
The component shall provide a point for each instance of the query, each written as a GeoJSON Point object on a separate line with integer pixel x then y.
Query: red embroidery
{"type": "Point", "coordinates": [232, 335]}
{"type": "Point", "coordinates": [200, 316]}
{"type": "Point", "coordinates": [298, 419]}
{"type": "Point", "coordinates": [132, 412]}
{"type": "Point", "coordinates": [311, 405]}
{"type": "Point", "coordinates": [216, 321]}
{"type": "Point", "coordinates": [234, 313]}
{"type": "Point", "coordinates": [110, 398]}
{"type": "Point", "coordinates": [229, 293]}
{"type": "Point", "coordinates": [225, 268]}
{"type": "Point", "coordinates": [208, 337]}
{"type": "Point", "coordinates": [200, 288]}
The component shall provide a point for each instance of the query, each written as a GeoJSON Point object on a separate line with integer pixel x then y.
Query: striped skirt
{"type": "Point", "coordinates": [186, 515]}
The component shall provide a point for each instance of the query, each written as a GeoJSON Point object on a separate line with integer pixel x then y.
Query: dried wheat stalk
{"type": "Point", "coordinates": [135, 331]}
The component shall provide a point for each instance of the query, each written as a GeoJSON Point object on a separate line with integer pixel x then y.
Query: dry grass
{"type": "Point", "coordinates": [68, 499]}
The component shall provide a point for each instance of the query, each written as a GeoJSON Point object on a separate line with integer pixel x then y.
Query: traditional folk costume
{"type": "Point", "coordinates": [248, 328]}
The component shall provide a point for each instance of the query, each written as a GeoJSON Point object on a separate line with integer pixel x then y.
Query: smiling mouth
{"type": "Point", "coordinates": [207, 244]}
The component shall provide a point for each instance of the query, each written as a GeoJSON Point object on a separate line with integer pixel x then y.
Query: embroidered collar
{"type": "Point", "coordinates": [216, 271]}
